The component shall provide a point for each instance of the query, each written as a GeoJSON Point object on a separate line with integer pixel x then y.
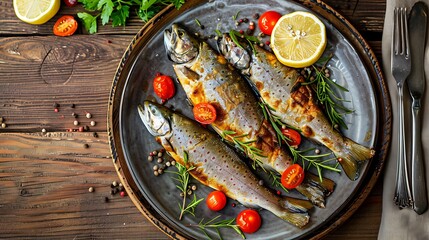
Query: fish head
{"type": "Point", "coordinates": [234, 54]}
{"type": "Point", "coordinates": [156, 118]}
{"type": "Point", "coordinates": [181, 47]}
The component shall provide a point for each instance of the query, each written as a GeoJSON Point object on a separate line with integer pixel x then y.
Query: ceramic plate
{"type": "Point", "coordinates": [353, 65]}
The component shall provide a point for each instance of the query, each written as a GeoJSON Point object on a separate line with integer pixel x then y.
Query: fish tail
{"type": "Point", "coordinates": [316, 190]}
{"type": "Point", "coordinates": [297, 219]}
{"type": "Point", "coordinates": [359, 152]}
{"type": "Point", "coordinates": [350, 155]}
{"type": "Point", "coordinates": [295, 211]}
{"type": "Point", "coordinates": [295, 205]}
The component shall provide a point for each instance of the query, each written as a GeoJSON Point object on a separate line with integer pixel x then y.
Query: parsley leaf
{"type": "Point", "coordinates": [118, 11]}
{"type": "Point", "coordinates": [120, 15]}
{"type": "Point", "coordinates": [106, 7]}
{"type": "Point", "coordinates": [89, 21]}
{"type": "Point", "coordinates": [90, 5]}
{"type": "Point", "coordinates": [178, 3]}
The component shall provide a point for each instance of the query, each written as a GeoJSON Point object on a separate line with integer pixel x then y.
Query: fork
{"type": "Point", "coordinates": [401, 68]}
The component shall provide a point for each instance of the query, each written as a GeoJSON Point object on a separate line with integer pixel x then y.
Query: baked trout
{"type": "Point", "coordinates": [295, 104]}
{"type": "Point", "coordinates": [216, 165]}
{"type": "Point", "coordinates": [207, 77]}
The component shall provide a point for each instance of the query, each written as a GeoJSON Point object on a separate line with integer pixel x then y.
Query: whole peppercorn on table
{"type": "Point", "coordinates": [57, 179]}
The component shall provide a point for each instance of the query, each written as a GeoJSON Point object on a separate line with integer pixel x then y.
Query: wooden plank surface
{"type": "Point", "coordinates": [44, 177]}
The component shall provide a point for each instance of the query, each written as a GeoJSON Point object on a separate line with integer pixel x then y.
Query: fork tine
{"type": "Point", "coordinates": [395, 44]}
{"type": "Point", "coordinates": [401, 32]}
{"type": "Point", "coordinates": [406, 44]}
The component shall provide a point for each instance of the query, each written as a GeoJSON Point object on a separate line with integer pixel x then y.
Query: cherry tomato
{"type": "Point", "coordinates": [249, 221]}
{"type": "Point", "coordinates": [70, 3]}
{"type": "Point", "coordinates": [163, 87]}
{"type": "Point", "coordinates": [292, 176]}
{"type": "Point", "coordinates": [65, 26]}
{"type": "Point", "coordinates": [216, 200]}
{"type": "Point", "coordinates": [267, 21]}
{"type": "Point", "coordinates": [204, 113]}
{"type": "Point", "coordinates": [293, 136]}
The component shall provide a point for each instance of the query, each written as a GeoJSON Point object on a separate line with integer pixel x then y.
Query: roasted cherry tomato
{"type": "Point", "coordinates": [216, 200]}
{"type": "Point", "coordinates": [204, 113]}
{"type": "Point", "coordinates": [267, 21]}
{"type": "Point", "coordinates": [293, 136]}
{"type": "Point", "coordinates": [249, 221]}
{"type": "Point", "coordinates": [70, 3]}
{"type": "Point", "coordinates": [292, 176]}
{"type": "Point", "coordinates": [163, 87]}
{"type": "Point", "coordinates": [65, 26]}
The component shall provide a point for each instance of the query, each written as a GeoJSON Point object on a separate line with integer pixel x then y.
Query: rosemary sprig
{"type": "Point", "coordinates": [277, 180]}
{"type": "Point", "coordinates": [183, 179]}
{"type": "Point", "coordinates": [323, 86]}
{"type": "Point", "coordinates": [234, 17]}
{"type": "Point", "coordinates": [216, 224]}
{"type": "Point", "coordinates": [245, 146]}
{"type": "Point", "coordinates": [316, 161]}
{"type": "Point", "coordinates": [250, 39]}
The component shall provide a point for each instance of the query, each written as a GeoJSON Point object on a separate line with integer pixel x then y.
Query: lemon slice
{"type": "Point", "coordinates": [36, 11]}
{"type": "Point", "coordinates": [298, 39]}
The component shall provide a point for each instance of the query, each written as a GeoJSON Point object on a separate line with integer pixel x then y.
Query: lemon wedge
{"type": "Point", "coordinates": [298, 39]}
{"type": "Point", "coordinates": [36, 11]}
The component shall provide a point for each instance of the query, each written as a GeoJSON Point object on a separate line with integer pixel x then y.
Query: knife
{"type": "Point", "coordinates": [416, 86]}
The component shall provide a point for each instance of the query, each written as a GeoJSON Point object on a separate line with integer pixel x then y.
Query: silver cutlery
{"type": "Point", "coordinates": [416, 86]}
{"type": "Point", "coordinates": [401, 67]}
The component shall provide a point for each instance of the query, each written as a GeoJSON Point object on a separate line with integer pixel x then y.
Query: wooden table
{"type": "Point", "coordinates": [45, 177]}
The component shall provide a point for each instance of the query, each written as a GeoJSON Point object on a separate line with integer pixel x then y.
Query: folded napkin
{"type": "Point", "coordinates": [395, 223]}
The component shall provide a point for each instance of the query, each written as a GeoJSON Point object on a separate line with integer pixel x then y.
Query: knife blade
{"type": "Point", "coordinates": [416, 86]}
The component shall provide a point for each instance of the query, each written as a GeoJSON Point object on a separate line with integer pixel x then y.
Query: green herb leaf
{"type": "Point", "coordinates": [89, 22]}
{"type": "Point", "coordinates": [120, 15]}
{"type": "Point", "coordinates": [90, 5]}
{"type": "Point", "coordinates": [106, 7]}
{"type": "Point", "coordinates": [178, 3]}
{"type": "Point", "coordinates": [216, 224]}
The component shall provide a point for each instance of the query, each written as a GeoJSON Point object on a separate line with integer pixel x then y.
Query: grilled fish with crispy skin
{"type": "Point", "coordinates": [216, 165]}
{"type": "Point", "coordinates": [280, 87]}
{"type": "Point", "coordinates": [206, 77]}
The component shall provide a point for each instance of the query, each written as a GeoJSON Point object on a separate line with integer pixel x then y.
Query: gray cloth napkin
{"type": "Point", "coordinates": [395, 223]}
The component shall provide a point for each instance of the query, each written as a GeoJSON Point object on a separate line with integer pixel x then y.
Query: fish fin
{"type": "Point", "coordinates": [359, 152]}
{"type": "Point", "coordinates": [349, 165]}
{"type": "Point", "coordinates": [184, 72]}
{"type": "Point", "coordinates": [296, 205]}
{"type": "Point", "coordinates": [315, 190]}
{"type": "Point", "coordinates": [350, 155]}
{"type": "Point", "coordinates": [326, 184]}
{"type": "Point", "coordinates": [297, 219]}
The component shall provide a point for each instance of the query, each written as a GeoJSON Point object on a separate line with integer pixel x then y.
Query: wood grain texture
{"type": "Point", "coordinates": [43, 70]}
{"type": "Point", "coordinates": [44, 181]}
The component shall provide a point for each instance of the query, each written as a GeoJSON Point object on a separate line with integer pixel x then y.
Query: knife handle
{"type": "Point", "coordinates": [417, 163]}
